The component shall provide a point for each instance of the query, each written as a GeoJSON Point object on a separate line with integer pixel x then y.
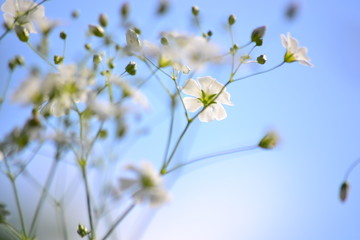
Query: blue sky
{"type": "Point", "coordinates": [287, 193]}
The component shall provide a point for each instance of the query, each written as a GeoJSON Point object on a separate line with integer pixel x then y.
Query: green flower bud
{"type": "Point", "coordinates": [258, 34]}
{"type": "Point", "coordinates": [97, 59]}
{"type": "Point", "coordinates": [103, 134]}
{"type": "Point", "coordinates": [82, 231]}
{"type": "Point", "coordinates": [344, 191]}
{"type": "Point", "coordinates": [20, 60]}
{"type": "Point", "coordinates": [232, 19]}
{"type": "Point", "coordinates": [22, 33]}
{"type": "Point", "coordinates": [103, 20]}
{"type": "Point", "coordinates": [117, 47]}
{"type": "Point", "coordinates": [111, 63]}
{"type": "Point", "coordinates": [124, 11]}
{"type": "Point", "coordinates": [63, 35]}
{"type": "Point", "coordinates": [261, 59]}
{"type": "Point", "coordinates": [75, 14]}
{"type": "Point", "coordinates": [269, 141]}
{"type": "Point", "coordinates": [163, 7]}
{"type": "Point", "coordinates": [58, 59]}
{"type": "Point", "coordinates": [131, 68]}
{"type": "Point", "coordinates": [209, 33]}
{"type": "Point", "coordinates": [195, 10]}
{"type": "Point", "coordinates": [164, 41]}
{"type": "Point", "coordinates": [88, 46]}
{"type": "Point", "coordinates": [96, 30]}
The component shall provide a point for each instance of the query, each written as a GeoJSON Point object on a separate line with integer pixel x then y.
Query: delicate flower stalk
{"type": "Point", "coordinates": [294, 53]}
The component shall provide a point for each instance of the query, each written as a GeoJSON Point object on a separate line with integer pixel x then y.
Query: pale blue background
{"type": "Point", "coordinates": [288, 193]}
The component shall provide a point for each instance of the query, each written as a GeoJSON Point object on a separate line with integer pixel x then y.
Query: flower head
{"type": "Point", "coordinates": [294, 53]}
{"type": "Point", "coordinates": [208, 93]}
{"type": "Point", "coordinates": [22, 13]}
{"type": "Point", "coordinates": [147, 185]}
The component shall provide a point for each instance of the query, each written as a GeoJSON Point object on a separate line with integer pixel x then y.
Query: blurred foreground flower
{"type": "Point", "coordinates": [147, 185]}
{"type": "Point", "coordinates": [294, 53]}
{"type": "Point", "coordinates": [208, 93]}
{"type": "Point", "coordinates": [344, 191]}
{"type": "Point", "coordinates": [22, 13]}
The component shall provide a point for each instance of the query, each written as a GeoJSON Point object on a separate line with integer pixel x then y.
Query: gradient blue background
{"type": "Point", "coordinates": [288, 193]}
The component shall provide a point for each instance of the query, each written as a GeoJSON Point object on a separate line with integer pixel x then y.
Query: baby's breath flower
{"type": "Point", "coordinates": [147, 185]}
{"type": "Point", "coordinates": [204, 92]}
{"type": "Point", "coordinates": [132, 40]}
{"type": "Point", "coordinates": [294, 53]}
{"type": "Point", "coordinates": [22, 13]}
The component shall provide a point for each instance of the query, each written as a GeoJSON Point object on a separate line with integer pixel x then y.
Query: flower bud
{"type": "Point", "coordinates": [269, 141]}
{"type": "Point", "coordinates": [258, 34]}
{"type": "Point", "coordinates": [163, 7]}
{"type": "Point", "coordinates": [232, 19]}
{"type": "Point", "coordinates": [82, 230]}
{"type": "Point", "coordinates": [20, 60]}
{"type": "Point", "coordinates": [58, 59]}
{"type": "Point", "coordinates": [96, 30]}
{"type": "Point", "coordinates": [344, 191]}
{"type": "Point", "coordinates": [75, 14]}
{"type": "Point", "coordinates": [124, 11]}
{"type": "Point", "coordinates": [132, 39]}
{"type": "Point", "coordinates": [131, 68]}
{"type": "Point", "coordinates": [97, 59]}
{"type": "Point", "coordinates": [111, 63]}
{"type": "Point", "coordinates": [195, 10]}
{"type": "Point", "coordinates": [103, 20]}
{"type": "Point", "coordinates": [88, 46]}
{"type": "Point", "coordinates": [261, 59]}
{"type": "Point", "coordinates": [63, 35]}
{"type": "Point", "coordinates": [164, 41]}
{"type": "Point", "coordinates": [22, 33]}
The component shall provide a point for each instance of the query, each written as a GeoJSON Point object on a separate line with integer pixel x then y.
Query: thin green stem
{"type": "Point", "coordinates": [254, 74]}
{"type": "Point", "coordinates": [4, 93]}
{"type": "Point", "coordinates": [157, 67]}
{"type": "Point", "coordinates": [351, 168]}
{"type": "Point", "coordinates": [88, 201]}
{"type": "Point", "coordinates": [212, 155]}
{"type": "Point", "coordinates": [16, 195]}
{"type": "Point", "coordinates": [170, 131]}
{"type": "Point", "coordinates": [44, 193]}
{"type": "Point", "coordinates": [42, 56]}
{"type": "Point", "coordinates": [118, 221]}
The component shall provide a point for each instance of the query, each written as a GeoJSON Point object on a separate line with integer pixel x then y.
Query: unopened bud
{"type": "Point", "coordinates": [232, 19]}
{"type": "Point", "coordinates": [96, 30]}
{"type": "Point", "coordinates": [22, 33]}
{"type": "Point", "coordinates": [124, 11]}
{"type": "Point", "coordinates": [163, 7]}
{"type": "Point", "coordinates": [103, 20]}
{"type": "Point", "coordinates": [82, 230]}
{"type": "Point", "coordinates": [103, 134]}
{"type": "Point", "coordinates": [97, 59]}
{"type": "Point", "coordinates": [261, 59]}
{"type": "Point", "coordinates": [87, 46]}
{"type": "Point", "coordinates": [58, 59]}
{"type": "Point", "coordinates": [269, 141]}
{"type": "Point", "coordinates": [63, 35]}
{"type": "Point", "coordinates": [111, 63]}
{"type": "Point", "coordinates": [195, 10]}
{"type": "Point", "coordinates": [132, 39]}
{"type": "Point", "coordinates": [258, 34]}
{"type": "Point", "coordinates": [75, 14]}
{"type": "Point", "coordinates": [164, 41]}
{"type": "Point", "coordinates": [209, 33]}
{"type": "Point", "coordinates": [344, 191]}
{"type": "Point", "coordinates": [131, 68]}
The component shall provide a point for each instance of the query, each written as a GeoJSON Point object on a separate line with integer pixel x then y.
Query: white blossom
{"type": "Point", "coordinates": [206, 94]}
{"type": "Point", "coordinates": [22, 13]}
{"type": "Point", "coordinates": [132, 40]}
{"type": "Point", "coordinates": [147, 185]}
{"type": "Point", "coordinates": [29, 91]}
{"type": "Point", "coordinates": [293, 51]}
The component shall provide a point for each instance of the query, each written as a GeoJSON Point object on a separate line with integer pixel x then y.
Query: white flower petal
{"type": "Point", "coordinates": [192, 104]}
{"type": "Point", "coordinates": [132, 40]}
{"type": "Point", "coordinates": [207, 115]}
{"type": "Point", "coordinates": [206, 84]}
{"type": "Point", "coordinates": [126, 183]}
{"type": "Point", "coordinates": [224, 98]}
{"type": "Point", "coordinates": [192, 88]}
{"type": "Point", "coordinates": [219, 111]}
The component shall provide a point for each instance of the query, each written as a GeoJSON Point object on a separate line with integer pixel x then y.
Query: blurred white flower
{"type": "Point", "coordinates": [204, 92]}
{"type": "Point", "coordinates": [65, 88]}
{"type": "Point", "coordinates": [1, 156]}
{"type": "Point", "coordinates": [294, 53]}
{"type": "Point", "coordinates": [101, 108]}
{"type": "Point", "coordinates": [22, 13]}
{"type": "Point", "coordinates": [132, 40]}
{"type": "Point", "coordinates": [29, 91]}
{"type": "Point", "coordinates": [147, 185]}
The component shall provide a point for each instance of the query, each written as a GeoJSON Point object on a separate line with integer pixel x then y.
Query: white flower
{"type": "Point", "coordinates": [294, 52]}
{"type": "Point", "coordinates": [23, 13]}
{"type": "Point", "coordinates": [132, 40]}
{"type": "Point", "coordinates": [147, 185]}
{"type": "Point", "coordinates": [101, 108]}
{"type": "Point", "coordinates": [205, 91]}
{"type": "Point", "coordinates": [29, 91]}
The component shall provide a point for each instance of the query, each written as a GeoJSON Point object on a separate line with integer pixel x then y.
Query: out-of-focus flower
{"type": "Point", "coordinates": [207, 93]}
{"type": "Point", "coordinates": [294, 53]}
{"type": "Point", "coordinates": [29, 91]}
{"type": "Point", "coordinates": [101, 108]}
{"type": "Point", "coordinates": [147, 185]}
{"type": "Point", "coordinates": [22, 13]}
{"type": "Point", "coordinates": [132, 40]}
